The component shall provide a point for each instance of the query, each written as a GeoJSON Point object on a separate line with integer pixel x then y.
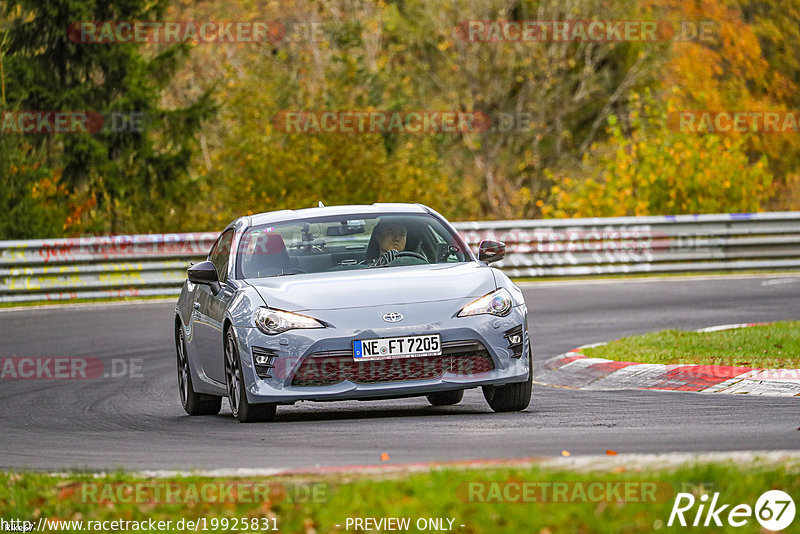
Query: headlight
{"type": "Point", "coordinates": [277, 321]}
{"type": "Point", "coordinates": [497, 302]}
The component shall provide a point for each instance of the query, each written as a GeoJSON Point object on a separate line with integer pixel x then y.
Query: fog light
{"type": "Point", "coordinates": [515, 337]}
{"type": "Point", "coordinates": [263, 358]}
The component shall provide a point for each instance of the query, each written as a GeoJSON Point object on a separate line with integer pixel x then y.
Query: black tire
{"type": "Point", "coordinates": [242, 409]}
{"type": "Point", "coordinates": [446, 398]}
{"type": "Point", "coordinates": [193, 403]}
{"type": "Point", "coordinates": [512, 397]}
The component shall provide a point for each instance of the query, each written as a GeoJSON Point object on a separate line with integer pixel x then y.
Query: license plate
{"type": "Point", "coordinates": [397, 347]}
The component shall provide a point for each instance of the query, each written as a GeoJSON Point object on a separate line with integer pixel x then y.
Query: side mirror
{"type": "Point", "coordinates": [490, 251]}
{"type": "Point", "coordinates": [204, 273]}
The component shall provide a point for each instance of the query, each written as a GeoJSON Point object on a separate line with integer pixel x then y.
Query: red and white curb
{"type": "Point", "coordinates": [574, 370]}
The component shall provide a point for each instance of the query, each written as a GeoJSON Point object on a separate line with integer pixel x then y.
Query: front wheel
{"type": "Point", "coordinates": [512, 397]}
{"type": "Point", "coordinates": [241, 408]}
{"type": "Point", "coordinates": [193, 403]}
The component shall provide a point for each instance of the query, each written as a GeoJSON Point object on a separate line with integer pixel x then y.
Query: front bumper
{"type": "Point", "coordinates": [467, 342]}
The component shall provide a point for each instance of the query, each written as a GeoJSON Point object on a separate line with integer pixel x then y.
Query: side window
{"type": "Point", "coordinates": [220, 255]}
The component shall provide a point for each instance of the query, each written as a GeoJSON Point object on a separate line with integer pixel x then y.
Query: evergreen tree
{"type": "Point", "coordinates": [124, 180]}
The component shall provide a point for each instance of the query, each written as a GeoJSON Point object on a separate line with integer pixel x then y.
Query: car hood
{"type": "Point", "coordinates": [374, 287]}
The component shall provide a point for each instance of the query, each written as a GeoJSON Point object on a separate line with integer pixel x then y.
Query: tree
{"type": "Point", "coordinates": [657, 170]}
{"type": "Point", "coordinates": [248, 165]}
{"type": "Point", "coordinates": [750, 62]}
{"type": "Point", "coordinates": [565, 90]}
{"type": "Point", "coordinates": [126, 178]}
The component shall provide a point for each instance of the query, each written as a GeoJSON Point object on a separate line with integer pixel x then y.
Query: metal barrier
{"type": "Point", "coordinates": [655, 244]}
{"type": "Point", "coordinates": [98, 267]}
{"type": "Point", "coordinates": [145, 265]}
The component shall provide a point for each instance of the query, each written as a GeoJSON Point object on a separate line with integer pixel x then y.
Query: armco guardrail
{"type": "Point", "coordinates": [142, 265]}
{"type": "Point", "coordinates": [98, 267]}
{"type": "Point", "coordinates": [655, 244]}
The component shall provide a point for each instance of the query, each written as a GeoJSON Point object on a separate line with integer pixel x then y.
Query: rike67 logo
{"type": "Point", "coordinates": [774, 510]}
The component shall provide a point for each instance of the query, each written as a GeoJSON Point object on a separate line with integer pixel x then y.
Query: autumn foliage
{"type": "Point", "coordinates": [577, 128]}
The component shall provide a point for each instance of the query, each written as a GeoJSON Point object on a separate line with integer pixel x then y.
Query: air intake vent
{"type": "Point", "coordinates": [264, 359]}
{"type": "Point", "coordinates": [515, 338]}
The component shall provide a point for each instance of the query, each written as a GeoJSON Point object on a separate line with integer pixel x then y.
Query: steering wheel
{"type": "Point", "coordinates": [409, 254]}
{"type": "Point", "coordinates": [390, 255]}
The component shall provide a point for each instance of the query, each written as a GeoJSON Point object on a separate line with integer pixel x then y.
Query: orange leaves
{"type": "Point", "coordinates": [745, 65]}
{"type": "Point", "coordinates": [656, 170]}
{"type": "Point", "coordinates": [48, 186]}
{"type": "Point", "coordinates": [77, 212]}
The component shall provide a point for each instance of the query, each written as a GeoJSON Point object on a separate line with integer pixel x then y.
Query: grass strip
{"type": "Point", "coordinates": [304, 504]}
{"type": "Point", "coordinates": [771, 346]}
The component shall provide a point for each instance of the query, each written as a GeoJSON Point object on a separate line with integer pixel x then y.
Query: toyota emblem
{"type": "Point", "coordinates": [393, 317]}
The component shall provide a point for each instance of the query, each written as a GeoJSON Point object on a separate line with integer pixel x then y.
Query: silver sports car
{"type": "Point", "coordinates": [349, 302]}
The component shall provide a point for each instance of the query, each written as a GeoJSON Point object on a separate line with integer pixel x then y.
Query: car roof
{"type": "Point", "coordinates": [380, 207]}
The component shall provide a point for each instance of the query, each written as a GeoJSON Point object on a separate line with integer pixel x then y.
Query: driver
{"type": "Point", "coordinates": [391, 241]}
{"type": "Point", "coordinates": [392, 237]}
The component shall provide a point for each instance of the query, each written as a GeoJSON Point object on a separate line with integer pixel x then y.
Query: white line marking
{"type": "Point", "coordinates": [653, 279]}
{"type": "Point", "coordinates": [778, 281]}
{"type": "Point", "coordinates": [721, 327]}
{"type": "Point", "coordinates": [84, 305]}
{"type": "Point", "coordinates": [591, 345]}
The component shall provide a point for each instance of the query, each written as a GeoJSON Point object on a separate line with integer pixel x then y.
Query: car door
{"type": "Point", "coordinates": [210, 311]}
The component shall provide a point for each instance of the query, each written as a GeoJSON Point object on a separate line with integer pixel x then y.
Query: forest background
{"type": "Point", "coordinates": [590, 132]}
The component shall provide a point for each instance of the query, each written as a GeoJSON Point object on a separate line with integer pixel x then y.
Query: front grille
{"type": "Point", "coordinates": [328, 368]}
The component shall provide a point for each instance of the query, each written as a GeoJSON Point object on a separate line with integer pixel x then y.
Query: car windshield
{"type": "Point", "coordinates": [339, 243]}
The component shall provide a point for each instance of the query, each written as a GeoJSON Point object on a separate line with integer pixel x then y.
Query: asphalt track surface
{"type": "Point", "coordinates": [138, 423]}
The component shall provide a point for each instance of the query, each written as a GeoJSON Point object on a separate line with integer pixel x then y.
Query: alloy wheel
{"type": "Point", "coordinates": [183, 368]}
{"type": "Point", "coordinates": [233, 374]}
